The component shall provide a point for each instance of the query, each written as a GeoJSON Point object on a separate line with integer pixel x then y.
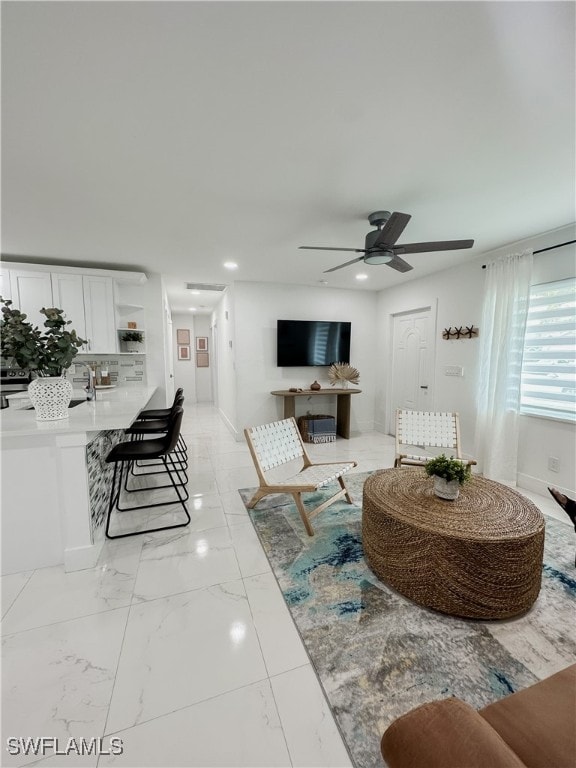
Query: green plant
{"type": "Point", "coordinates": [448, 468]}
{"type": "Point", "coordinates": [48, 352]}
{"type": "Point", "coordinates": [132, 336]}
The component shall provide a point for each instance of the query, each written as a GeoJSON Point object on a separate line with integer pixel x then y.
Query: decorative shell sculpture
{"type": "Point", "coordinates": [343, 372]}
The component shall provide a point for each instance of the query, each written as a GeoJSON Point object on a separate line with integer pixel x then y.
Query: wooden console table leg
{"type": "Point", "coordinates": [289, 406]}
{"type": "Point", "coordinates": [343, 415]}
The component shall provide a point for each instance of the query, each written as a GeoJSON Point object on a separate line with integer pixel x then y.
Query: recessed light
{"type": "Point", "coordinates": [192, 309]}
{"type": "Point", "coordinates": [196, 293]}
{"type": "Point", "coordinates": [230, 265]}
{"type": "Point", "coordinates": [361, 276]}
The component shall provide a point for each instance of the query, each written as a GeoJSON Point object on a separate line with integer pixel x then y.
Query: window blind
{"type": "Point", "coordinates": [549, 361]}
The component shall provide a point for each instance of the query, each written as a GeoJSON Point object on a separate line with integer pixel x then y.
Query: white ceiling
{"type": "Point", "coordinates": [173, 136]}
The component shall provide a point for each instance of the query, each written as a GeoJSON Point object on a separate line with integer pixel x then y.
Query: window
{"type": "Point", "coordinates": [549, 366]}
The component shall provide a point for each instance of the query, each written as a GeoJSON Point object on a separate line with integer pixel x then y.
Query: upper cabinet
{"type": "Point", "coordinates": [88, 301]}
{"type": "Point", "coordinates": [31, 291]}
{"type": "Point", "coordinates": [5, 284]}
{"type": "Point", "coordinates": [68, 294]}
{"type": "Point", "coordinates": [99, 313]}
{"type": "Point", "coordinates": [87, 298]}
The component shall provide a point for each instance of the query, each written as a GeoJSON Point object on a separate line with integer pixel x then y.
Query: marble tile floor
{"type": "Point", "coordinates": [179, 642]}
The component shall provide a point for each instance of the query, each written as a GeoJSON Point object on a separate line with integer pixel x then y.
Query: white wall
{"type": "Point", "coordinates": [257, 307]}
{"type": "Point", "coordinates": [459, 294]}
{"type": "Point", "coordinates": [224, 358]}
{"type": "Point", "coordinates": [156, 353]}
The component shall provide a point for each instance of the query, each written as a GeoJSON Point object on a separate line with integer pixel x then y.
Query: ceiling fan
{"type": "Point", "coordinates": [380, 244]}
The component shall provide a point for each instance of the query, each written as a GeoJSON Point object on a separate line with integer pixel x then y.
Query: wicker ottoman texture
{"type": "Point", "coordinates": [479, 556]}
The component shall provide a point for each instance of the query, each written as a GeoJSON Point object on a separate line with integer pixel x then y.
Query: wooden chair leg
{"type": "Point", "coordinates": [256, 498]}
{"type": "Point", "coordinates": [303, 513]}
{"type": "Point", "coordinates": [343, 486]}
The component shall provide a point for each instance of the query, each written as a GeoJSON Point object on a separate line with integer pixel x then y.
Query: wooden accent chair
{"type": "Point", "coordinates": [427, 429]}
{"type": "Point", "coordinates": [279, 443]}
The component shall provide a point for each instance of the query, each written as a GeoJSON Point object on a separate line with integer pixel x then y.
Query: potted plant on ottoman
{"type": "Point", "coordinates": [449, 474]}
{"type": "Point", "coordinates": [132, 340]}
{"type": "Point", "coordinates": [47, 353]}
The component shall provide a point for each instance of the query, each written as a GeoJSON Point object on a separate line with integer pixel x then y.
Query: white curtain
{"type": "Point", "coordinates": [501, 346]}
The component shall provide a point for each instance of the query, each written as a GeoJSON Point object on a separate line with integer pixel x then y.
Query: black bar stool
{"type": "Point", "coordinates": [160, 413]}
{"type": "Point", "coordinates": [141, 429]}
{"type": "Point", "coordinates": [164, 413]}
{"type": "Point", "coordinates": [162, 448]}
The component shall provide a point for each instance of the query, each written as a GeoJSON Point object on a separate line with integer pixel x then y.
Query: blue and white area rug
{"type": "Point", "coordinates": [376, 653]}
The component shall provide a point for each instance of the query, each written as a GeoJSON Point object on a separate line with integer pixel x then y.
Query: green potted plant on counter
{"type": "Point", "coordinates": [132, 340]}
{"type": "Point", "coordinates": [449, 474]}
{"type": "Point", "coordinates": [48, 354]}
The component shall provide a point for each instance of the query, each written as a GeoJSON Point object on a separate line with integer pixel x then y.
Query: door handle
{"type": "Point", "coordinates": [421, 387]}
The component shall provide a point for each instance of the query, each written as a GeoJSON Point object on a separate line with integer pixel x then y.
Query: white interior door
{"type": "Point", "coordinates": [412, 362]}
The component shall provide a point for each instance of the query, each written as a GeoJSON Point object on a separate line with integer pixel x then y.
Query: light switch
{"type": "Point", "coordinates": [453, 370]}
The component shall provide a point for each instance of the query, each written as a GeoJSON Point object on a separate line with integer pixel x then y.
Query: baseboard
{"type": "Point", "coordinates": [235, 434]}
{"type": "Point", "coordinates": [540, 486]}
{"type": "Point", "coordinates": [80, 558]}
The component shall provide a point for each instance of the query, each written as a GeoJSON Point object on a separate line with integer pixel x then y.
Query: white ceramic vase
{"type": "Point", "coordinates": [50, 396]}
{"type": "Point", "coordinates": [446, 489]}
{"type": "Point", "coordinates": [133, 346]}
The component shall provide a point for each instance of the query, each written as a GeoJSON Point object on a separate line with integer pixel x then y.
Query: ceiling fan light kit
{"type": "Point", "coordinates": [380, 244]}
{"type": "Point", "coordinates": [379, 257]}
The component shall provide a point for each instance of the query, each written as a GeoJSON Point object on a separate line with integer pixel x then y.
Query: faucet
{"type": "Point", "coordinates": [90, 387]}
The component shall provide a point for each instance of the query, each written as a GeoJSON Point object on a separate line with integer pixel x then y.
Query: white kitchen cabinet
{"type": "Point", "coordinates": [68, 295]}
{"type": "Point", "coordinates": [88, 301]}
{"type": "Point", "coordinates": [31, 291]}
{"type": "Point", "coordinates": [87, 298]}
{"type": "Point", "coordinates": [5, 289]}
{"type": "Point", "coordinates": [99, 313]}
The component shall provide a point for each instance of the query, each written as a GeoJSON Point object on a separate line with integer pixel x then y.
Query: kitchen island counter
{"type": "Point", "coordinates": [55, 480]}
{"type": "Point", "coordinates": [112, 409]}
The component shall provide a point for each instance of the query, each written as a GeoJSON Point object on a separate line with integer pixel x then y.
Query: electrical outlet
{"type": "Point", "coordinates": [553, 464]}
{"type": "Point", "coordinates": [453, 370]}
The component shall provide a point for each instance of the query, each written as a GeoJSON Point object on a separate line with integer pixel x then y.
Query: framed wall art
{"type": "Point", "coordinates": [183, 336]}
{"type": "Point", "coordinates": [201, 343]}
{"type": "Point", "coordinates": [202, 360]}
{"type": "Point", "coordinates": [183, 352]}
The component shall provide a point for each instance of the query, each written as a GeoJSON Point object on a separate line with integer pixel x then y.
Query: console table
{"type": "Point", "coordinates": [342, 405]}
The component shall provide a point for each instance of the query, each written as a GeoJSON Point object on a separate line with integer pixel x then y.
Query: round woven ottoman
{"type": "Point", "coordinates": [479, 556]}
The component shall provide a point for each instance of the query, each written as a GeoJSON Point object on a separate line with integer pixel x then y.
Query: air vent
{"type": "Point", "coordinates": [205, 287]}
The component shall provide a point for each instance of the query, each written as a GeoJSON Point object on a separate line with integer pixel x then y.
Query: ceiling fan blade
{"type": "Point", "coordinates": [392, 230]}
{"type": "Point", "coordinates": [347, 264]}
{"type": "Point", "coordinates": [399, 264]}
{"type": "Point", "coordinates": [322, 248]}
{"type": "Point", "coordinates": [440, 245]}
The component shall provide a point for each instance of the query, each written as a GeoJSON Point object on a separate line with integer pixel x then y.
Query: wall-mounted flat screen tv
{"type": "Point", "coordinates": [312, 342]}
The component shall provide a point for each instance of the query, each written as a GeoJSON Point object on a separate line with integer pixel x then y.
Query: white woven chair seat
{"type": "Point", "coordinates": [275, 446]}
{"type": "Point", "coordinates": [316, 475]}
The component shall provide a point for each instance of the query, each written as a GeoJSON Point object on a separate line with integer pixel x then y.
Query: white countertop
{"type": "Point", "coordinates": [112, 409]}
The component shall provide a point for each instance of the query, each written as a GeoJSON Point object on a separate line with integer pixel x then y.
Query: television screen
{"type": "Point", "coordinates": [312, 342]}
